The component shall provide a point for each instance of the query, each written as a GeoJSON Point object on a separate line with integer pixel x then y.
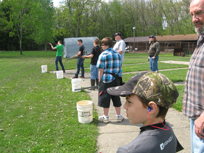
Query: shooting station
{"type": "Point", "coordinates": [71, 47]}
{"type": "Point", "coordinates": [180, 45]}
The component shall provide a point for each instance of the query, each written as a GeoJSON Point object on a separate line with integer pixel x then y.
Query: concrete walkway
{"type": "Point", "coordinates": [175, 62]}
{"type": "Point", "coordinates": [113, 134]}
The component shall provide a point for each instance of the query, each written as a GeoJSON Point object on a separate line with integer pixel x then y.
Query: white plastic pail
{"type": "Point", "coordinates": [44, 68]}
{"type": "Point", "coordinates": [85, 111]}
{"type": "Point", "coordinates": [76, 84]}
{"type": "Point", "coordinates": [59, 74]}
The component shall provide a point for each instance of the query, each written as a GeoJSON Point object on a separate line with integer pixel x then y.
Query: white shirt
{"type": "Point", "coordinates": [120, 45]}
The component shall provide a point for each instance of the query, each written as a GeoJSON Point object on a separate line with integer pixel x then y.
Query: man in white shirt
{"type": "Point", "coordinates": [120, 45]}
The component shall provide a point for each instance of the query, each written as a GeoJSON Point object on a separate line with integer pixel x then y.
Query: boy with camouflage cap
{"type": "Point", "coordinates": [148, 98]}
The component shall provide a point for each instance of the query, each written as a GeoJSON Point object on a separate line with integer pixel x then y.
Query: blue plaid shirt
{"type": "Point", "coordinates": [110, 62]}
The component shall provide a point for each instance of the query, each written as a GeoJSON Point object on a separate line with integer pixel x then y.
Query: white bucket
{"type": "Point", "coordinates": [44, 68]}
{"type": "Point", "coordinates": [59, 74]}
{"type": "Point", "coordinates": [85, 111]}
{"type": "Point", "coordinates": [76, 84]}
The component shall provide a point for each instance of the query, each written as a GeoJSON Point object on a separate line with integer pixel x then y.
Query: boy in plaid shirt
{"type": "Point", "coordinates": [110, 66]}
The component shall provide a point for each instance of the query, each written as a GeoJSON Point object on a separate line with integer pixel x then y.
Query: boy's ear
{"type": "Point", "coordinates": [153, 106]}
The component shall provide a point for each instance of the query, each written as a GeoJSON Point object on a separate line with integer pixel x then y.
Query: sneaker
{"type": "Point", "coordinates": [81, 77]}
{"type": "Point", "coordinates": [104, 119]}
{"type": "Point", "coordinates": [119, 118]}
{"type": "Point", "coordinates": [75, 77]}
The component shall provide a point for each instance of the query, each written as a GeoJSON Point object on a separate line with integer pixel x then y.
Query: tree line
{"type": "Point", "coordinates": [30, 24]}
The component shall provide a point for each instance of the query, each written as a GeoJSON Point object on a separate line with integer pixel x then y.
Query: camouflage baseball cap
{"type": "Point", "coordinates": [152, 86]}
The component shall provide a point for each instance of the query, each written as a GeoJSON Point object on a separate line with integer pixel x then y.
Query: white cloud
{"type": "Point", "coordinates": [56, 3]}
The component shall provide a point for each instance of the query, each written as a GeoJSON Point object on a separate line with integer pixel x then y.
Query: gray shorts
{"type": "Point", "coordinates": [104, 97]}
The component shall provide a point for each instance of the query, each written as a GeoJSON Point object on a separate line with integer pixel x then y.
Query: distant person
{"type": "Point", "coordinates": [193, 99]}
{"type": "Point", "coordinates": [154, 50]}
{"type": "Point", "coordinates": [59, 48]}
{"type": "Point", "coordinates": [110, 66]}
{"type": "Point", "coordinates": [120, 45]}
{"type": "Point", "coordinates": [96, 51]}
{"type": "Point", "coordinates": [148, 98]}
{"type": "Point", "coordinates": [80, 61]}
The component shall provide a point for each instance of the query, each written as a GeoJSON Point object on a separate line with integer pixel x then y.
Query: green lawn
{"type": "Point", "coordinates": [141, 58]}
{"type": "Point", "coordinates": [38, 112]}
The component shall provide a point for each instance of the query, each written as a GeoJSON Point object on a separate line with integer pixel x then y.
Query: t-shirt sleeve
{"type": "Point", "coordinates": [56, 47]}
{"type": "Point", "coordinates": [81, 48]}
{"type": "Point", "coordinates": [93, 51]}
{"type": "Point", "coordinates": [122, 46]}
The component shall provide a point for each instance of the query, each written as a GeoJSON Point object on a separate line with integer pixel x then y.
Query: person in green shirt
{"type": "Point", "coordinates": [59, 48]}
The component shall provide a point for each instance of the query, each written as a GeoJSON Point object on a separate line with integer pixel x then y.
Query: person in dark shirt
{"type": "Point", "coordinates": [80, 61]}
{"type": "Point", "coordinates": [154, 50]}
{"type": "Point", "coordinates": [96, 51]}
{"type": "Point", "coordinates": [149, 95]}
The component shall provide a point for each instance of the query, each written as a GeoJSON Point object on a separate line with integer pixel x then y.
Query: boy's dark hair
{"type": "Point", "coordinates": [97, 41]}
{"type": "Point", "coordinates": [79, 40]}
{"type": "Point", "coordinates": [162, 110]}
{"type": "Point", "coordinates": [60, 41]}
{"type": "Point", "coordinates": [107, 41]}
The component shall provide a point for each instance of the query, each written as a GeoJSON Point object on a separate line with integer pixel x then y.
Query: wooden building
{"type": "Point", "coordinates": [177, 43]}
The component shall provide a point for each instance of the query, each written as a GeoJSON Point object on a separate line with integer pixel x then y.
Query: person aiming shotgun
{"type": "Point", "coordinates": [59, 48]}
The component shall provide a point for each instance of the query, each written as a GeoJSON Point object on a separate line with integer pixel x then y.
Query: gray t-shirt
{"type": "Point", "coordinates": [120, 45]}
{"type": "Point", "coordinates": [153, 140]}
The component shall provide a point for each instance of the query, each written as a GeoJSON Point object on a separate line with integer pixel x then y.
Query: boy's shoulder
{"type": "Point", "coordinates": [156, 140]}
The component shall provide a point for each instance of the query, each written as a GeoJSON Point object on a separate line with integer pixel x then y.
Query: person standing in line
{"type": "Point", "coordinates": [109, 64]}
{"type": "Point", "coordinates": [59, 48]}
{"type": "Point", "coordinates": [154, 50]}
{"type": "Point", "coordinates": [193, 99]}
{"type": "Point", "coordinates": [96, 51]}
{"type": "Point", "coordinates": [80, 61]}
{"type": "Point", "coordinates": [120, 45]}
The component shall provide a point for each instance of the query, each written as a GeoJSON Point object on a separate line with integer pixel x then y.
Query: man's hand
{"type": "Point", "coordinates": [50, 44]}
{"type": "Point", "coordinates": [199, 126]}
{"type": "Point", "coordinates": [153, 57]}
{"type": "Point", "coordinates": [148, 59]}
{"type": "Point", "coordinates": [83, 56]}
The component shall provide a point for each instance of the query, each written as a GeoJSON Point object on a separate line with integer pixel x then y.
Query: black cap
{"type": "Point", "coordinates": [152, 36]}
{"type": "Point", "coordinates": [117, 34]}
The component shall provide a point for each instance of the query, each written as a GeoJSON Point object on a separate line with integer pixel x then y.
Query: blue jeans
{"type": "Point", "coordinates": [59, 59]}
{"type": "Point", "coordinates": [80, 64]}
{"type": "Point", "coordinates": [153, 63]}
{"type": "Point", "coordinates": [94, 72]}
{"type": "Point", "coordinates": [197, 144]}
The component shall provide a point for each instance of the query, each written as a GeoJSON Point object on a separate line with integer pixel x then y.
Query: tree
{"type": "Point", "coordinates": [42, 14]}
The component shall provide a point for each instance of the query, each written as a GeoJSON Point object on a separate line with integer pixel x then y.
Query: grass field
{"type": "Point", "coordinates": [38, 112]}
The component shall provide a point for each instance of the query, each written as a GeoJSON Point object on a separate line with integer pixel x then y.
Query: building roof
{"type": "Point", "coordinates": [137, 39]}
{"type": "Point", "coordinates": [186, 37]}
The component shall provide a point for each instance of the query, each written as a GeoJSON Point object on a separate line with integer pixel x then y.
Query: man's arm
{"type": "Point", "coordinates": [157, 50]}
{"type": "Point", "coordinates": [199, 126]}
{"type": "Point", "coordinates": [87, 56]}
{"type": "Point", "coordinates": [100, 74]}
{"type": "Point", "coordinates": [121, 49]}
{"type": "Point", "coordinates": [52, 46]}
{"type": "Point", "coordinates": [79, 53]}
